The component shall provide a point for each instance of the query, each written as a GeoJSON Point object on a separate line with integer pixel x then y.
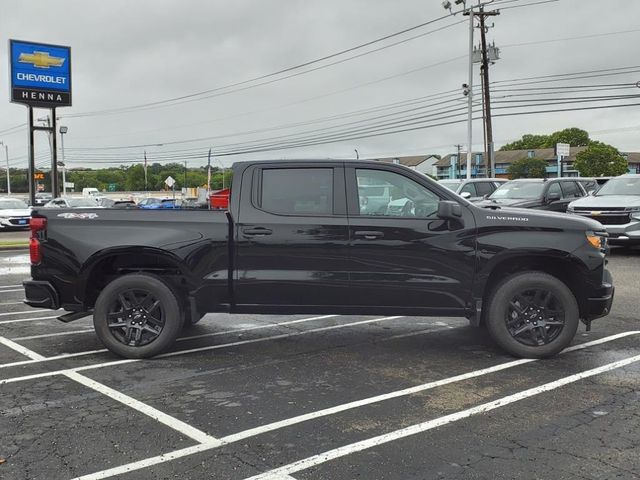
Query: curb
{"type": "Point", "coordinates": [17, 246]}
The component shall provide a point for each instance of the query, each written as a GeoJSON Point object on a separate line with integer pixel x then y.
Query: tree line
{"type": "Point", "coordinates": [597, 160]}
{"type": "Point", "coordinates": [125, 178]}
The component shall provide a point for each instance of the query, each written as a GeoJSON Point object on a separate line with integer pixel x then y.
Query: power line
{"type": "Point", "coordinates": [179, 99]}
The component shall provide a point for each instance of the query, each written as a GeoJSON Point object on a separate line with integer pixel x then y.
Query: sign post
{"type": "Point", "coordinates": [170, 182]}
{"type": "Point", "coordinates": [40, 78]}
{"type": "Point", "coordinates": [562, 150]}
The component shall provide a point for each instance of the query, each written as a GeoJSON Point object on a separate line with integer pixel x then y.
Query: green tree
{"type": "Point", "coordinates": [527, 142]}
{"type": "Point", "coordinates": [575, 137]}
{"type": "Point", "coordinates": [527, 168]}
{"type": "Point", "coordinates": [600, 160]}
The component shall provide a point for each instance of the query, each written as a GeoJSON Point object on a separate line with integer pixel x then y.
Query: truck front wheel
{"type": "Point", "coordinates": [532, 315]}
{"type": "Point", "coordinates": [137, 316]}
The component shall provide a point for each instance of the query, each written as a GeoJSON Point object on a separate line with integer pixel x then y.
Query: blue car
{"type": "Point", "coordinates": [157, 203]}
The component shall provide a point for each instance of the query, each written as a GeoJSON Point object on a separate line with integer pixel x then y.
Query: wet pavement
{"type": "Point", "coordinates": [324, 397]}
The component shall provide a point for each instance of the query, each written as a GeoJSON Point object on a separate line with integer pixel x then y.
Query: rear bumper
{"type": "Point", "coordinates": [599, 303]}
{"type": "Point", "coordinates": [41, 294]}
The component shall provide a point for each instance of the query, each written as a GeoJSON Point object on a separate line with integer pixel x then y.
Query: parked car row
{"type": "Point", "coordinates": [613, 201]}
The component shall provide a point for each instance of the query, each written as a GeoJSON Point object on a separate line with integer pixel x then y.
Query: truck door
{"type": "Point", "coordinates": [404, 256]}
{"type": "Point", "coordinates": [292, 237]}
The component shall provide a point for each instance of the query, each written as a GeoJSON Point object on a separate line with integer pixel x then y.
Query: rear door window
{"type": "Point", "coordinates": [571, 190]}
{"type": "Point", "coordinates": [485, 188]}
{"type": "Point", "coordinates": [297, 191]}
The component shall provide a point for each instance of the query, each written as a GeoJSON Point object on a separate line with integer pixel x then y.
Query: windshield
{"type": "Point", "coordinates": [620, 186]}
{"type": "Point", "coordinates": [451, 184]}
{"type": "Point", "coordinates": [81, 202]}
{"type": "Point", "coordinates": [518, 190]}
{"type": "Point", "coordinates": [12, 205]}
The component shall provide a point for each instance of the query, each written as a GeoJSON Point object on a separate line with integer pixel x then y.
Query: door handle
{"type": "Point", "coordinates": [369, 234]}
{"type": "Point", "coordinates": [256, 232]}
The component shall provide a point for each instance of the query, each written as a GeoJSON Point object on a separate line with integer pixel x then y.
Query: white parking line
{"type": "Point", "coordinates": [28, 312]}
{"type": "Point", "coordinates": [47, 335]}
{"type": "Point", "coordinates": [324, 457]}
{"type": "Point", "coordinates": [10, 303]}
{"type": "Point", "coordinates": [49, 359]}
{"type": "Point", "coordinates": [20, 349]}
{"type": "Point", "coordinates": [332, 410]}
{"type": "Point", "coordinates": [276, 337]}
{"type": "Point", "coordinates": [257, 327]}
{"type": "Point", "coordinates": [210, 347]}
{"type": "Point", "coordinates": [9, 286]}
{"type": "Point", "coordinates": [9, 291]}
{"type": "Point", "coordinates": [193, 337]}
{"type": "Point", "coordinates": [161, 417]}
{"type": "Point", "coordinates": [178, 425]}
{"type": "Point", "coordinates": [19, 320]}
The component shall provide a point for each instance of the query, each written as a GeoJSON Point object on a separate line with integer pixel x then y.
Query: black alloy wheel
{"type": "Point", "coordinates": [136, 318]}
{"type": "Point", "coordinates": [532, 314]}
{"type": "Point", "coordinates": [535, 317]}
{"type": "Point", "coordinates": [138, 315]}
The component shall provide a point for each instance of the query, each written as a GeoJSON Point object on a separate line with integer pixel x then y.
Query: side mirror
{"type": "Point", "coordinates": [466, 195]}
{"type": "Point", "coordinates": [448, 210]}
{"type": "Point", "coordinates": [553, 197]}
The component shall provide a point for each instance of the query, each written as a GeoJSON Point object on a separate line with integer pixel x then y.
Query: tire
{"type": "Point", "coordinates": [138, 316]}
{"type": "Point", "coordinates": [532, 315]}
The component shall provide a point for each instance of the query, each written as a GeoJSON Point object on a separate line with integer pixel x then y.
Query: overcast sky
{"type": "Point", "coordinates": [134, 52]}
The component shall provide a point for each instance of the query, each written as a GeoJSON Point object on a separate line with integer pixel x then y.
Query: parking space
{"type": "Point", "coordinates": [317, 397]}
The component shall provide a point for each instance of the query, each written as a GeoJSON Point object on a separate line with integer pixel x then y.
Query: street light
{"type": "Point", "coordinates": [6, 153]}
{"type": "Point", "coordinates": [63, 130]}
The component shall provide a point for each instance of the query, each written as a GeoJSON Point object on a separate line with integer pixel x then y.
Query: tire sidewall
{"type": "Point", "coordinates": [170, 305]}
{"type": "Point", "coordinates": [504, 293]}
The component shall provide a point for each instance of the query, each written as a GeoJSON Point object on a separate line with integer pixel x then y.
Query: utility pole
{"type": "Point", "coordinates": [484, 70]}
{"type": "Point", "coordinates": [457, 170]}
{"type": "Point", "coordinates": [470, 94]}
{"type": "Point", "coordinates": [6, 153]}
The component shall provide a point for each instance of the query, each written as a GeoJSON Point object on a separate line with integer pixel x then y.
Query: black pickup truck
{"type": "Point", "coordinates": [342, 237]}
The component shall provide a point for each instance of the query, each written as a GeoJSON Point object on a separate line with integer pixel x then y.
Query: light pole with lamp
{"type": "Point", "coordinates": [6, 153]}
{"type": "Point", "coordinates": [62, 164]}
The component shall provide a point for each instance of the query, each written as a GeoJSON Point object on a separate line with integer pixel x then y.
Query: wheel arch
{"type": "Point", "coordinates": [108, 264]}
{"type": "Point", "coordinates": [566, 268]}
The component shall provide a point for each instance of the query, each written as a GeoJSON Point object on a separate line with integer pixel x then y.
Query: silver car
{"type": "Point", "coordinates": [14, 213]}
{"type": "Point", "coordinates": [473, 189]}
{"type": "Point", "coordinates": [616, 206]}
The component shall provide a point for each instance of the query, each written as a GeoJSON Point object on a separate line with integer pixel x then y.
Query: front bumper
{"type": "Point", "coordinates": [14, 222]}
{"type": "Point", "coordinates": [40, 294]}
{"type": "Point", "coordinates": [599, 303]}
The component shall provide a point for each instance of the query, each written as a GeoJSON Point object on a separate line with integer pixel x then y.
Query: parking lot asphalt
{"type": "Point", "coordinates": [317, 397]}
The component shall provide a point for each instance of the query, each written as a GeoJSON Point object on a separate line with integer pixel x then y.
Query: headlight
{"type": "Point", "coordinates": [635, 216]}
{"type": "Point", "coordinates": [596, 240]}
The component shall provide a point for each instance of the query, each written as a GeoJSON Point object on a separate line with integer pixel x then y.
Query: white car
{"type": "Point", "coordinates": [14, 213]}
{"type": "Point", "coordinates": [72, 202]}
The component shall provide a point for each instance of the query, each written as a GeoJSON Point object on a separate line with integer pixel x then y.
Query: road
{"type": "Point", "coordinates": [311, 398]}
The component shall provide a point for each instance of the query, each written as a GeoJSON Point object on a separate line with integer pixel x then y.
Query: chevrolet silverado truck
{"type": "Point", "coordinates": [616, 206]}
{"type": "Point", "coordinates": [299, 237]}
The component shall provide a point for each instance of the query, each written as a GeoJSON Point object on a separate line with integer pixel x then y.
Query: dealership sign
{"type": "Point", "coordinates": [40, 74]}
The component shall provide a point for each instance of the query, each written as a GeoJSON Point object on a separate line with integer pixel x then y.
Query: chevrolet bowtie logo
{"type": "Point", "coordinates": [40, 59]}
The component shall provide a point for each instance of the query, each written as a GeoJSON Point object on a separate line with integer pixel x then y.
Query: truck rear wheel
{"type": "Point", "coordinates": [137, 316]}
{"type": "Point", "coordinates": [532, 315]}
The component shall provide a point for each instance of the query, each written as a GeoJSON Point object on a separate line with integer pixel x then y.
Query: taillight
{"type": "Point", "coordinates": [34, 251]}
{"type": "Point", "coordinates": [36, 225]}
